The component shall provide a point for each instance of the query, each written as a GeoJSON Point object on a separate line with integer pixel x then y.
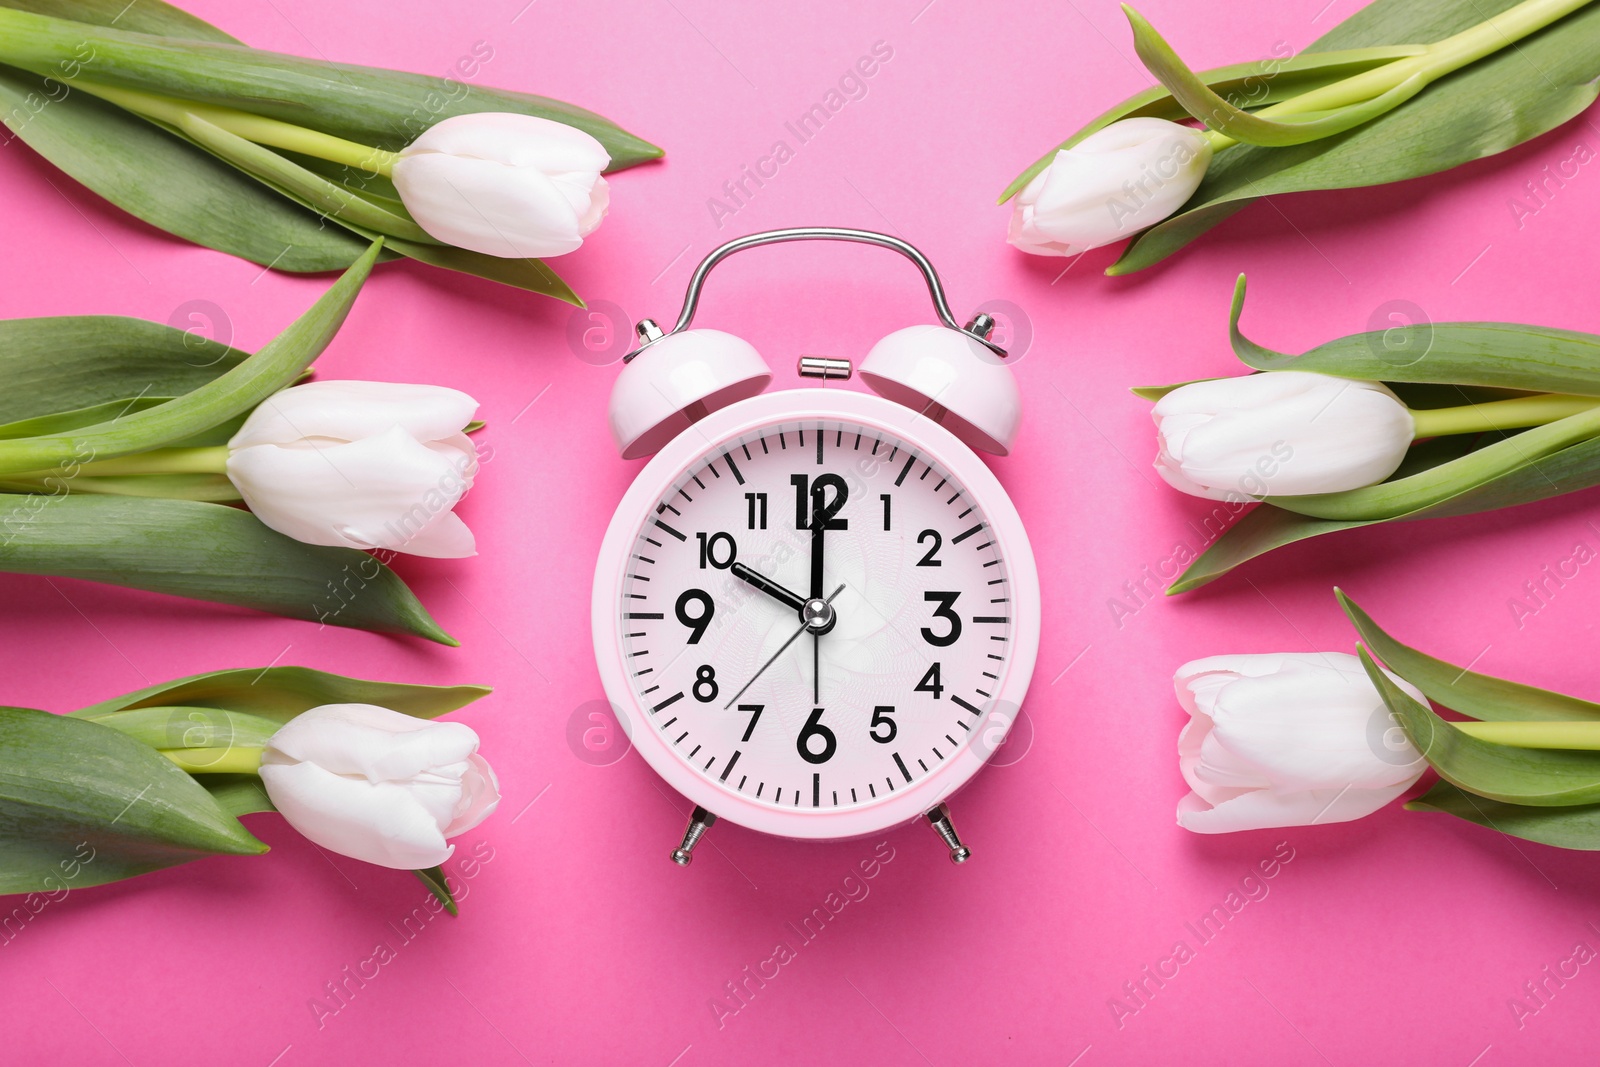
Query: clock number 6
{"type": "Point", "coordinates": [814, 728]}
{"type": "Point", "coordinates": [943, 611]}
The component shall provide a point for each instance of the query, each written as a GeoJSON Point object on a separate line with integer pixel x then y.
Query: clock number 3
{"type": "Point", "coordinates": [945, 611]}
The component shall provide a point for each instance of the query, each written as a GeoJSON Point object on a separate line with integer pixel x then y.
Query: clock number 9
{"type": "Point", "coordinates": [698, 622]}
{"type": "Point", "coordinates": [943, 611]}
{"type": "Point", "coordinates": [814, 728]}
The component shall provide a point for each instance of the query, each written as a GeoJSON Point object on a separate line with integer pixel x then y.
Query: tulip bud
{"type": "Point", "coordinates": [379, 786]}
{"type": "Point", "coordinates": [506, 185]}
{"type": "Point", "coordinates": [1289, 739]}
{"type": "Point", "coordinates": [360, 465]}
{"type": "Point", "coordinates": [1281, 433]}
{"type": "Point", "coordinates": [1115, 182]}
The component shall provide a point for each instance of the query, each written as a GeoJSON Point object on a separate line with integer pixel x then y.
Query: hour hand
{"type": "Point", "coordinates": [769, 587]}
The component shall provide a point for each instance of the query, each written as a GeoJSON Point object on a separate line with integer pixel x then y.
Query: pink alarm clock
{"type": "Point", "coordinates": [816, 611]}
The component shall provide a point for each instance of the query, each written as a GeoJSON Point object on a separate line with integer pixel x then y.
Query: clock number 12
{"type": "Point", "coordinates": [812, 501]}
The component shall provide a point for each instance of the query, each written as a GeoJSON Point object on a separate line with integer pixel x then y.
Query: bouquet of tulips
{"type": "Point", "coordinates": [1398, 90]}
{"type": "Point", "coordinates": [161, 776]}
{"type": "Point", "coordinates": [1298, 739]}
{"type": "Point", "coordinates": [1413, 422]}
{"type": "Point", "coordinates": [125, 444]}
{"type": "Point", "coordinates": [253, 152]}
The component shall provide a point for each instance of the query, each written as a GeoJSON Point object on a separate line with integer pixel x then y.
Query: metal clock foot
{"type": "Point", "coordinates": [700, 821]}
{"type": "Point", "coordinates": [939, 819]}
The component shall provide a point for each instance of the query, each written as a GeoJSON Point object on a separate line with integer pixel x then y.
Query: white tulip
{"type": "Point", "coordinates": [379, 786]}
{"type": "Point", "coordinates": [1115, 182]}
{"type": "Point", "coordinates": [1287, 740]}
{"type": "Point", "coordinates": [1280, 433]}
{"type": "Point", "coordinates": [505, 185]}
{"type": "Point", "coordinates": [361, 465]}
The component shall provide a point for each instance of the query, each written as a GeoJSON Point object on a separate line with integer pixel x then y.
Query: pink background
{"type": "Point", "coordinates": [1400, 939]}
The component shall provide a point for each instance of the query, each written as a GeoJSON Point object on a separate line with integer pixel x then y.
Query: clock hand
{"type": "Point", "coordinates": [819, 523]}
{"type": "Point", "coordinates": [819, 618]}
{"type": "Point", "coordinates": [816, 668]}
{"type": "Point", "coordinates": [769, 587]}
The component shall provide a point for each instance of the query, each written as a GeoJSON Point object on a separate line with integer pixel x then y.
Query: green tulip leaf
{"type": "Point", "coordinates": [146, 16]}
{"type": "Point", "coordinates": [1534, 776]}
{"type": "Point", "coordinates": [1261, 530]}
{"type": "Point", "coordinates": [368, 105]}
{"type": "Point", "coordinates": [1267, 527]}
{"type": "Point", "coordinates": [1257, 83]}
{"type": "Point", "coordinates": [1575, 827]}
{"type": "Point", "coordinates": [237, 794]}
{"type": "Point", "coordinates": [239, 389]}
{"type": "Point", "coordinates": [1491, 105]}
{"type": "Point", "coordinates": [83, 805]}
{"type": "Point", "coordinates": [163, 727]}
{"type": "Point", "coordinates": [1205, 105]}
{"type": "Point", "coordinates": [172, 182]}
{"type": "Point", "coordinates": [310, 189]}
{"type": "Point", "coordinates": [76, 362]}
{"type": "Point", "coordinates": [1457, 486]}
{"type": "Point", "coordinates": [1480, 696]}
{"type": "Point", "coordinates": [280, 693]}
{"type": "Point", "coordinates": [434, 879]}
{"type": "Point", "coordinates": [66, 421]}
{"type": "Point", "coordinates": [206, 552]}
{"type": "Point", "coordinates": [210, 488]}
{"type": "Point", "coordinates": [1504, 355]}
{"type": "Point", "coordinates": [166, 181]}
{"type": "Point", "coordinates": [374, 217]}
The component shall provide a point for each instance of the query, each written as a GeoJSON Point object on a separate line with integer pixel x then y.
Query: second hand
{"type": "Point", "coordinates": [804, 626]}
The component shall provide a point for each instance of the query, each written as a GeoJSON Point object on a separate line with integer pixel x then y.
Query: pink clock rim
{"type": "Point", "coordinates": [657, 476]}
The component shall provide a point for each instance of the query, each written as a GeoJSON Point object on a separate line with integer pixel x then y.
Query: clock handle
{"type": "Point", "coordinates": [977, 330]}
{"type": "Point", "coordinates": [939, 819]}
{"type": "Point", "coordinates": [700, 820]}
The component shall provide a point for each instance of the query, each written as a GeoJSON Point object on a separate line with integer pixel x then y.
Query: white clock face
{"type": "Point", "coordinates": [714, 638]}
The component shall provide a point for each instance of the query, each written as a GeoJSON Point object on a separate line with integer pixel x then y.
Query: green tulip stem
{"type": "Point", "coordinates": [1514, 414]}
{"type": "Point", "coordinates": [256, 128]}
{"type": "Point", "coordinates": [235, 759]}
{"type": "Point", "coordinates": [1441, 58]}
{"type": "Point", "coordinates": [1567, 734]}
{"type": "Point", "coordinates": [209, 460]}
